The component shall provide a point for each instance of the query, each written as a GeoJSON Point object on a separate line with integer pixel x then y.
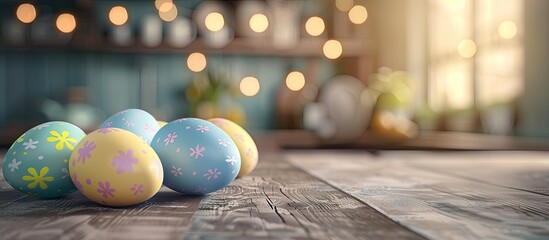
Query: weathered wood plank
{"type": "Point", "coordinates": [165, 216]}
{"type": "Point", "coordinates": [430, 201]}
{"type": "Point", "coordinates": [279, 201]}
{"type": "Point", "coordinates": [527, 171]}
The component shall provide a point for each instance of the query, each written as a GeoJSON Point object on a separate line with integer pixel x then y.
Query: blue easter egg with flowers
{"type": "Point", "coordinates": [137, 121]}
{"type": "Point", "coordinates": [37, 162]}
{"type": "Point", "coordinates": [198, 157]}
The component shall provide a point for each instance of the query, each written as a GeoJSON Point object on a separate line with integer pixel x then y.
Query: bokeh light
{"type": "Point", "coordinates": [214, 21]}
{"type": "Point", "coordinates": [295, 81]}
{"type": "Point", "coordinates": [167, 11]}
{"type": "Point", "coordinates": [467, 48]}
{"type": "Point", "coordinates": [196, 62]}
{"type": "Point", "coordinates": [259, 23]}
{"type": "Point", "coordinates": [315, 26]}
{"type": "Point", "coordinates": [159, 3]}
{"type": "Point", "coordinates": [249, 86]}
{"type": "Point", "coordinates": [507, 29]}
{"type": "Point", "coordinates": [358, 14]}
{"type": "Point", "coordinates": [26, 13]}
{"type": "Point", "coordinates": [66, 22]}
{"type": "Point", "coordinates": [344, 5]}
{"type": "Point", "coordinates": [118, 15]}
{"type": "Point", "coordinates": [332, 49]}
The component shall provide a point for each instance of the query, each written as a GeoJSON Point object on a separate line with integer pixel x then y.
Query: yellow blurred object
{"type": "Point", "coordinates": [237, 115]}
{"type": "Point", "coordinates": [244, 142]}
{"type": "Point", "coordinates": [207, 110]}
{"type": "Point", "coordinates": [193, 93]}
{"type": "Point", "coordinates": [161, 123]}
{"type": "Point", "coordinates": [392, 127]}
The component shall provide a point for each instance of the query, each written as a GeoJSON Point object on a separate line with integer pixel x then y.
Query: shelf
{"type": "Point", "coordinates": [461, 141]}
{"type": "Point", "coordinates": [308, 47]}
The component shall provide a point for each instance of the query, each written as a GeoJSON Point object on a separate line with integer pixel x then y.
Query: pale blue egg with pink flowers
{"type": "Point", "coordinates": [198, 157]}
{"type": "Point", "coordinates": [137, 121]}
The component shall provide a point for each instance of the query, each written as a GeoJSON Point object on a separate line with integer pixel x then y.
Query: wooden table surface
{"type": "Point", "coordinates": [320, 194]}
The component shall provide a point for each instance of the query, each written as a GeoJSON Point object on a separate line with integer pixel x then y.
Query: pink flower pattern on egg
{"type": "Point", "coordinates": [149, 128]}
{"type": "Point", "coordinates": [249, 153]}
{"type": "Point", "coordinates": [85, 151]}
{"type": "Point", "coordinates": [239, 137]}
{"type": "Point", "coordinates": [121, 112]}
{"type": "Point", "coordinates": [212, 173]}
{"type": "Point", "coordinates": [200, 189]}
{"type": "Point", "coordinates": [176, 171]}
{"type": "Point", "coordinates": [170, 138]}
{"type": "Point", "coordinates": [108, 130]}
{"type": "Point", "coordinates": [136, 189]}
{"type": "Point", "coordinates": [105, 189]}
{"type": "Point", "coordinates": [124, 162]}
{"type": "Point", "coordinates": [197, 151]}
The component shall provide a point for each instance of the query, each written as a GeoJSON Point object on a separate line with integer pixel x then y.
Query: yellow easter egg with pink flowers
{"type": "Point", "coordinates": [244, 142]}
{"type": "Point", "coordinates": [115, 167]}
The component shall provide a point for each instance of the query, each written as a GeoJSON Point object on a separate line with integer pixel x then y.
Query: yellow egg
{"type": "Point", "coordinates": [244, 142]}
{"type": "Point", "coordinates": [115, 167]}
{"type": "Point", "coordinates": [161, 123]}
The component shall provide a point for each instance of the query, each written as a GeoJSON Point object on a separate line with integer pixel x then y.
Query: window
{"type": "Point", "coordinates": [475, 53]}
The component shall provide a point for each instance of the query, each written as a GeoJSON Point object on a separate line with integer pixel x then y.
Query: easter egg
{"type": "Point", "coordinates": [244, 142]}
{"type": "Point", "coordinates": [161, 123]}
{"type": "Point", "coordinates": [114, 167]}
{"type": "Point", "coordinates": [37, 163]}
{"type": "Point", "coordinates": [137, 121]}
{"type": "Point", "coordinates": [198, 157]}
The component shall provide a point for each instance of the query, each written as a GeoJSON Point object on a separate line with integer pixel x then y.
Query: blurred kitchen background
{"type": "Point", "coordinates": [317, 72]}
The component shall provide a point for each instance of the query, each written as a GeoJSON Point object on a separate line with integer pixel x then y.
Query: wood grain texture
{"type": "Point", "coordinates": [526, 171]}
{"type": "Point", "coordinates": [440, 200]}
{"type": "Point", "coordinates": [279, 201]}
{"type": "Point", "coordinates": [165, 216]}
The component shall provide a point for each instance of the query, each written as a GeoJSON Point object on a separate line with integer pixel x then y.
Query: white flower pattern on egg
{"type": "Point", "coordinates": [231, 160]}
{"type": "Point", "coordinates": [14, 164]}
{"type": "Point", "coordinates": [30, 144]}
